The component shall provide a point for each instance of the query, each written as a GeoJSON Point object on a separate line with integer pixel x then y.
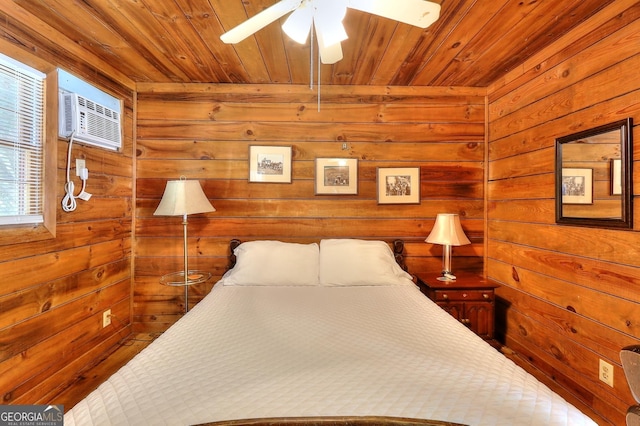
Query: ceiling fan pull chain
{"type": "Point", "coordinates": [319, 82]}
{"type": "Point", "coordinates": [311, 59]}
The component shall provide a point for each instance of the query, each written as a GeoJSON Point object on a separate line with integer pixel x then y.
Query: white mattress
{"type": "Point", "coordinates": [247, 352]}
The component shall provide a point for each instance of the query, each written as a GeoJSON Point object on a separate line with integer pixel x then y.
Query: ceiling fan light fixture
{"type": "Point", "coordinates": [329, 53]}
{"type": "Point", "coordinates": [298, 24]}
{"type": "Point", "coordinates": [330, 32]}
{"type": "Point", "coordinates": [328, 18]}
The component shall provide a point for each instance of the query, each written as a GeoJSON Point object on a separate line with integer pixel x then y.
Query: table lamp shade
{"type": "Point", "coordinates": [183, 197]}
{"type": "Point", "coordinates": [447, 231]}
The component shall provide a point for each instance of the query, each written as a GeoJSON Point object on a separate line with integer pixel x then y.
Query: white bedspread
{"type": "Point", "coordinates": [247, 352]}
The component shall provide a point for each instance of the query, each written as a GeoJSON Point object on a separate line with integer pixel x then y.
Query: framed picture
{"type": "Point", "coordinates": [336, 176]}
{"type": "Point", "coordinates": [398, 185]}
{"type": "Point", "coordinates": [270, 164]}
{"type": "Point", "coordinates": [577, 186]}
{"type": "Point", "coordinates": [616, 177]}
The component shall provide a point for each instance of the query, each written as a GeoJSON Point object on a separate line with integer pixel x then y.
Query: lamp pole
{"type": "Point", "coordinates": [186, 266]}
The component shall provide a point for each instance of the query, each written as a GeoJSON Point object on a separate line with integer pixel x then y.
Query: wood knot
{"type": "Point", "coordinates": [556, 352]}
{"type": "Point", "coordinates": [46, 306]}
{"type": "Point", "coordinates": [523, 331]}
{"type": "Point", "coordinates": [472, 145]}
{"type": "Point", "coordinates": [571, 308]}
{"type": "Point", "coordinates": [514, 274]}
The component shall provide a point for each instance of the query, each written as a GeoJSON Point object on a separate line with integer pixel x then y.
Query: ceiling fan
{"type": "Point", "coordinates": [327, 15]}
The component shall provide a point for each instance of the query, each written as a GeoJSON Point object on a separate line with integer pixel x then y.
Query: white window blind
{"type": "Point", "coordinates": [21, 143]}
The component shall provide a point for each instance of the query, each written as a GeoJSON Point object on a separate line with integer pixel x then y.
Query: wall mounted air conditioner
{"type": "Point", "coordinates": [93, 124]}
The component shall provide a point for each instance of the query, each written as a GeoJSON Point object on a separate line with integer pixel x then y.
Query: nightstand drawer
{"type": "Point", "coordinates": [461, 296]}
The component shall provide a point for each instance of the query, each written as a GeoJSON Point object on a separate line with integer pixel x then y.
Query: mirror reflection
{"type": "Point", "coordinates": [593, 177]}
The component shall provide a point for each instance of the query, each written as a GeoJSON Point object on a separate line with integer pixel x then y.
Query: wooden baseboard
{"type": "Point", "coordinates": [88, 380]}
{"type": "Point", "coordinates": [531, 369]}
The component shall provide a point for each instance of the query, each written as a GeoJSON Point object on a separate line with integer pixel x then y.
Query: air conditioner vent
{"type": "Point", "coordinates": [90, 122]}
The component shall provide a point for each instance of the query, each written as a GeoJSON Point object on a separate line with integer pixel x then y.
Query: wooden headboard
{"type": "Point", "coordinates": [396, 245]}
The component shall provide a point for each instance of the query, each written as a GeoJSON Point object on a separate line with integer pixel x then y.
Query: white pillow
{"type": "Point", "coordinates": [274, 263]}
{"type": "Point", "coordinates": [349, 262]}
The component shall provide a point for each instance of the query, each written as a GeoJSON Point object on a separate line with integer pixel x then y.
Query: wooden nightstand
{"type": "Point", "coordinates": [470, 299]}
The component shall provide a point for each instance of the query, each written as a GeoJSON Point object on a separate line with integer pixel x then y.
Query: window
{"type": "Point", "coordinates": [21, 143]}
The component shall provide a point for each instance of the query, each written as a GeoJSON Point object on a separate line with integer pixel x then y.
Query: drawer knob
{"type": "Point", "coordinates": [445, 296]}
{"type": "Point", "coordinates": [485, 295]}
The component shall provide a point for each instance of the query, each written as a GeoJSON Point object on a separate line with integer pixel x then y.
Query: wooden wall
{"type": "Point", "coordinates": [54, 291]}
{"type": "Point", "coordinates": [571, 295]}
{"type": "Point", "coordinates": [204, 132]}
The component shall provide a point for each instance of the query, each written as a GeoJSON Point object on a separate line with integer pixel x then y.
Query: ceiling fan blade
{"type": "Point", "coordinates": [420, 13]}
{"type": "Point", "coordinates": [259, 21]}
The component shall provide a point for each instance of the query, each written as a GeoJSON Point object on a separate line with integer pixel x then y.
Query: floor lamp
{"type": "Point", "coordinates": [182, 198]}
{"type": "Point", "coordinates": [448, 232]}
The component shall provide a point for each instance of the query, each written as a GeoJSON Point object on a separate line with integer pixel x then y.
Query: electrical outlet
{"type": "Point", "coordinates": [80, 164]}
{"type": "Point", "coordinates": [106, 318]}
{"type": "Point", "coordinates": [606, 372]}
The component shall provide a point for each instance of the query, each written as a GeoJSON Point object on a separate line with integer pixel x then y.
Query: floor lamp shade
{"type": "Point", "coordinates": [448, 232]}
{"type": "Point", "coordinates": [182, 198]}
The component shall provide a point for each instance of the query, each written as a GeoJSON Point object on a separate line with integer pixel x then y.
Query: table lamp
{"type": "Point", "coordinates": [181, 198]}
{"type": "Point", "coordinates": [448, 232]}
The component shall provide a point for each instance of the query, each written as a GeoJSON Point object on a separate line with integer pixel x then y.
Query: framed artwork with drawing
{"type": "Point", "coordinates": [577, 186]}
{"type": "Point", "coordinates": [398, 185]}
{"type": "Point", "coordinates": [337, 176]}
{"type": "Point", "coordinates": [270, 164]}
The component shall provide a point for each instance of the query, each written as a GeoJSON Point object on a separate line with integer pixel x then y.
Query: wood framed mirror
{"type": "Point", "coordinates": [594, 178]}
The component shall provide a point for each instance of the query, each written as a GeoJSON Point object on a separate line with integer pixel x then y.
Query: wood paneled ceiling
{"type": "Point", "coordinates": [472, 44]}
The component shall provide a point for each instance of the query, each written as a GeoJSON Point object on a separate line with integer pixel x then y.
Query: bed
{"type": "Point", "coordinates": [330, 333]}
